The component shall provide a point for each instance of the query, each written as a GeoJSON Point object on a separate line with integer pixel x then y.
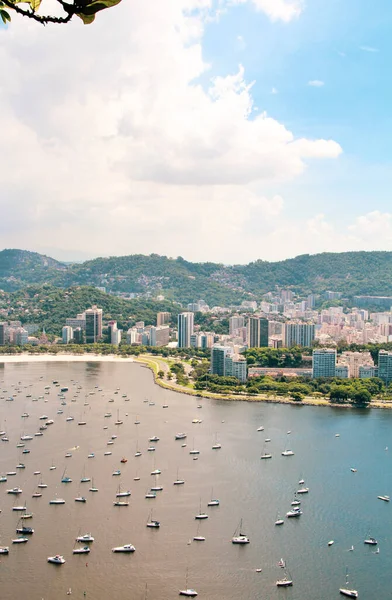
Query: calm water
{"type": "Point", "coordinates": [340, 506]}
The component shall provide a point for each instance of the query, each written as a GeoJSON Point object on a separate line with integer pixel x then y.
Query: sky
{"type": "Point", "coordinates": [217, 130]}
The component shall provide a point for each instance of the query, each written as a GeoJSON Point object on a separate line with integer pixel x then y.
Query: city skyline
{"type": "Point", "coordinates": [253, 120]}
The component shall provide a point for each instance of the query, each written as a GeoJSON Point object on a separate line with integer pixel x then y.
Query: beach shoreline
{"type": "Point", "coordinates": [155, 364]}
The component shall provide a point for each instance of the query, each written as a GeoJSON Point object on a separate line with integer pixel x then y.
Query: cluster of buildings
{"type": "Point", "coordinates": [86, 328]}
{"type": "Point", "coordinates": [14, 334]}
{"type": "Point", "coordinates": [352, 364]}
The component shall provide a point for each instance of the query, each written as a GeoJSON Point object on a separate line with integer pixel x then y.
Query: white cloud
{"type": "Point", "coordinates": [316, 83]}
{"type": "Point", "coordinates": [368, 49]}
{"type": "Point", "coordinates": [274, 91]}
{"type": "Point", "coordinates": [277, 10]}
{"type": "Point", "coordinates": [110, 144]}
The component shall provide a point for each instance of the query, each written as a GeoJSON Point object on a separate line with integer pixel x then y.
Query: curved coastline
{"type": "Point", "coordinates": [155, 364]}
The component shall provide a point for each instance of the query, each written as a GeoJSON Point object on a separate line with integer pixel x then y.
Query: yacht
{"type": "Point", "coordinates": [57, 501]}
{"type": "Point", "coordinates": [371, 541]}
{"type": "Point", "coordinates": [294, 512]}
{"type": "Point", "coordinates": [125, 548]}
{"type": "Point", "coordinates": [20, 540]}
{"type": "Point", "coordinates": [303, 490]}
{"type": "Point", "coordinates": [20, 508]}
{"type": "Point", "coordinates": [80, 499]}
{"type": "Point", "coordinates": [4, 550]}
{"type": "Point", "coordinates": [116, 473]}
{"type": "Point", "coordinates": [86, 538]}
{"type": "Point", "coordinates": [156, 472]}
{"type": "Point", "coordinates": [3, 478]}
{"type": "Point", "coordinates": [279, 522]}
{"type": "Point", "coordinates": [284, 582]}
{"type": "Point", "coordinates": [151, 494]}
{"type": "Point", "coordinates": [153, 523]}
{"type": "Point", "coordinates": [287, 453]}
{"type": "Point", "coordinates": [239, 537]}
{"type": "Point", "coordinates": [36, 495]}
{"type": "Point", "coordinates": [123, 494]}
{"type": "Point", "coordinates": [15, 491]}
{"type": "Point", "coordinates": [120, 503]}
{"type": "Point", "coordinates": [217, 446]}
{"type": "Point", "coordinates": [385, 498]}
{"type": "Point", "coordinates": [260, 428]}
{"type": "Point", "coordinates": [84, 550]}
{"type": "Point", "coordinates": [213, 502]}
{"type": "Point", "coordinates": [155, 438]}
{"type": "Point", "coordinates": [180, 436]}
{"type": "Point", "coordinates": [56, 560]}
{"type": "Point", "coordinates": [25, 530]}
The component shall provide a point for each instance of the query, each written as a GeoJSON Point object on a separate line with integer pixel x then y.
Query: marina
{"type": "Point", "coordinates": [346, 512]}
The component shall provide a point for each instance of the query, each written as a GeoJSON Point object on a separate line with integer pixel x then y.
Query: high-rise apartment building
{"type": "Point", "coordinates": [163, 318]}
{"type": "Point", "coordinates": [235, 366]}
{"type": "Point", "coordinates": [185, 329]}
{"type": "Point", "coordinates": [298, 334]}
{"type": "Point", "coordinates": [218, 356]}
{"type": "Point", "coordinates": [159, 336]}
{"type": "Point", "coordinates": [114, 333]}
{"type": "Point", "coordinates": [66, 334]}
{"type": "Point", "coordinates": [3, 333]}
{"type": "Point", "coordinates": [324, 362]}
{"type": "Point", "coordinates": [93, 324]}
{"type": "Point", "coordinates": [385, 366]}
{"type": "Point", "coordinates": [257, 332]}
{"type": "Point", "coordinates": [21, 336]}
{"type": "Point", "coordinates": [236, 322]}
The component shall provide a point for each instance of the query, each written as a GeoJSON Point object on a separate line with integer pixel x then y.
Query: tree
{"type": "Point", "coordinates": [161, 374]}
{"type": "Point", "coordinates": [361, 397]}
{"type": "Point", "coordinates": [84, 9]}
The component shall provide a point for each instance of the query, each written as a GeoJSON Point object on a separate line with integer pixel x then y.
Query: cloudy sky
{"type": "Point", "coordinates": [221, 130]}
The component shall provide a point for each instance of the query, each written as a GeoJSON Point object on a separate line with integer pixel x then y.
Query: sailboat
{"type": "Point", "coordinates": [265, 454]}
{"type": "Point", "coordinates": [137, 453]}
{"type": "Point", "coordinates": [213, 501]}
{"type": "Point", "coordinates": [178, 481]}
{"type": "Point", "coordinates": [152, 523]}
{"type": "Point", "coordinates": [201, 514]}
{"type": "Point", "coordinates": [198, 537]}
{"type": "Point", "coordinates": [287, 451]}
{"type": "Point", "coordinates": [286, 580]}
{"type": "Point", "coordinates": [191, 593]}
{"type": "Point", "coordinates": [156, 487]}
{"type": "Point", "coordinates": [216, 445]}
{"type": "Point", "coordinates": [279, 520]}
{"type": "Point", "coordinates": [194, 451]}
{"type": "Point", "coordinates": [85, 479]}
{"type": "Point", "coordinates": [65, 478]}
{"type": "Point", "coordinates": [93, 488]}
{"type": "Point", "coordinates": [121, 494]}
{"type": "Point", "coordinates": [119, 421]}
{"type": "Point", "coordinates": [346, 591]}
{"type": "Point", "coordinates": [239, 536]}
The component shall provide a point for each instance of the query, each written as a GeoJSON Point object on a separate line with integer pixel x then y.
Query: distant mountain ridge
{"type": "Point", "coordinates": [352, 273]}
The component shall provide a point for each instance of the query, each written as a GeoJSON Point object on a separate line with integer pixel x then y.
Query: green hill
{"type": "Point", "coordinates": [352, 273]}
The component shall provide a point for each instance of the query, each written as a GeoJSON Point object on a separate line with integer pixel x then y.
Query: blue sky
{"type": "Point", "coordinates": [347, 45]}
{"type": "Point", "coordinates": [145, 125]}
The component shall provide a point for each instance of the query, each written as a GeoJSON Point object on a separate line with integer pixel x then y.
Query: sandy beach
{"type": "Point", "coordinates": [65, 357]}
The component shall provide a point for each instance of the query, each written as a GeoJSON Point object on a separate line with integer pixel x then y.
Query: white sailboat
{"type": "Point", "coordinates": [239, 536]}
{"type": "Point", "coordinates": [347, 591]}
{"type": "Point", "coordinates": [189, 592]}
{"type": "Point", "coordinates": [202, 515]}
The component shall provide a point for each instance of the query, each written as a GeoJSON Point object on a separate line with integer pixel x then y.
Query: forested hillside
{"type": "Point", "coordinates": [351, 273]}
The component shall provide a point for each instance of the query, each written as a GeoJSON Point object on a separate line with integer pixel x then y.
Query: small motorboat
{"type": "Point", "coordinates": [56, 560]}
{"type": "Point", "coordinates": [126, 548]}
{"type": "Point", "coordinates": [370, 541]}
{"type": "Point", "coordinates": [330, 542]}
{"type": "Point", "coordinates": [385, 498]}
{"type": "Point", "coordinates": [84, 550]}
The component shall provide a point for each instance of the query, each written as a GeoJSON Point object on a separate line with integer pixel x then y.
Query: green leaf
{"type": "Point", "coordinates": [91, 8]}
{"type": "Point", "coordinates": [34, 4]}
{"type": "Point", "coordinates": [87, 19]}
{"type": "Point", "coordinates": [4, 16]}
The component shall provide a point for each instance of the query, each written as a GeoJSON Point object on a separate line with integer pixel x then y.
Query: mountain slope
{"type": "Point", "coordinates": [351, 273]}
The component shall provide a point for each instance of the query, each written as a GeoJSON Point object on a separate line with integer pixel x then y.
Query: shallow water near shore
{"type": "Point", "coordinates": [340, 506]}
